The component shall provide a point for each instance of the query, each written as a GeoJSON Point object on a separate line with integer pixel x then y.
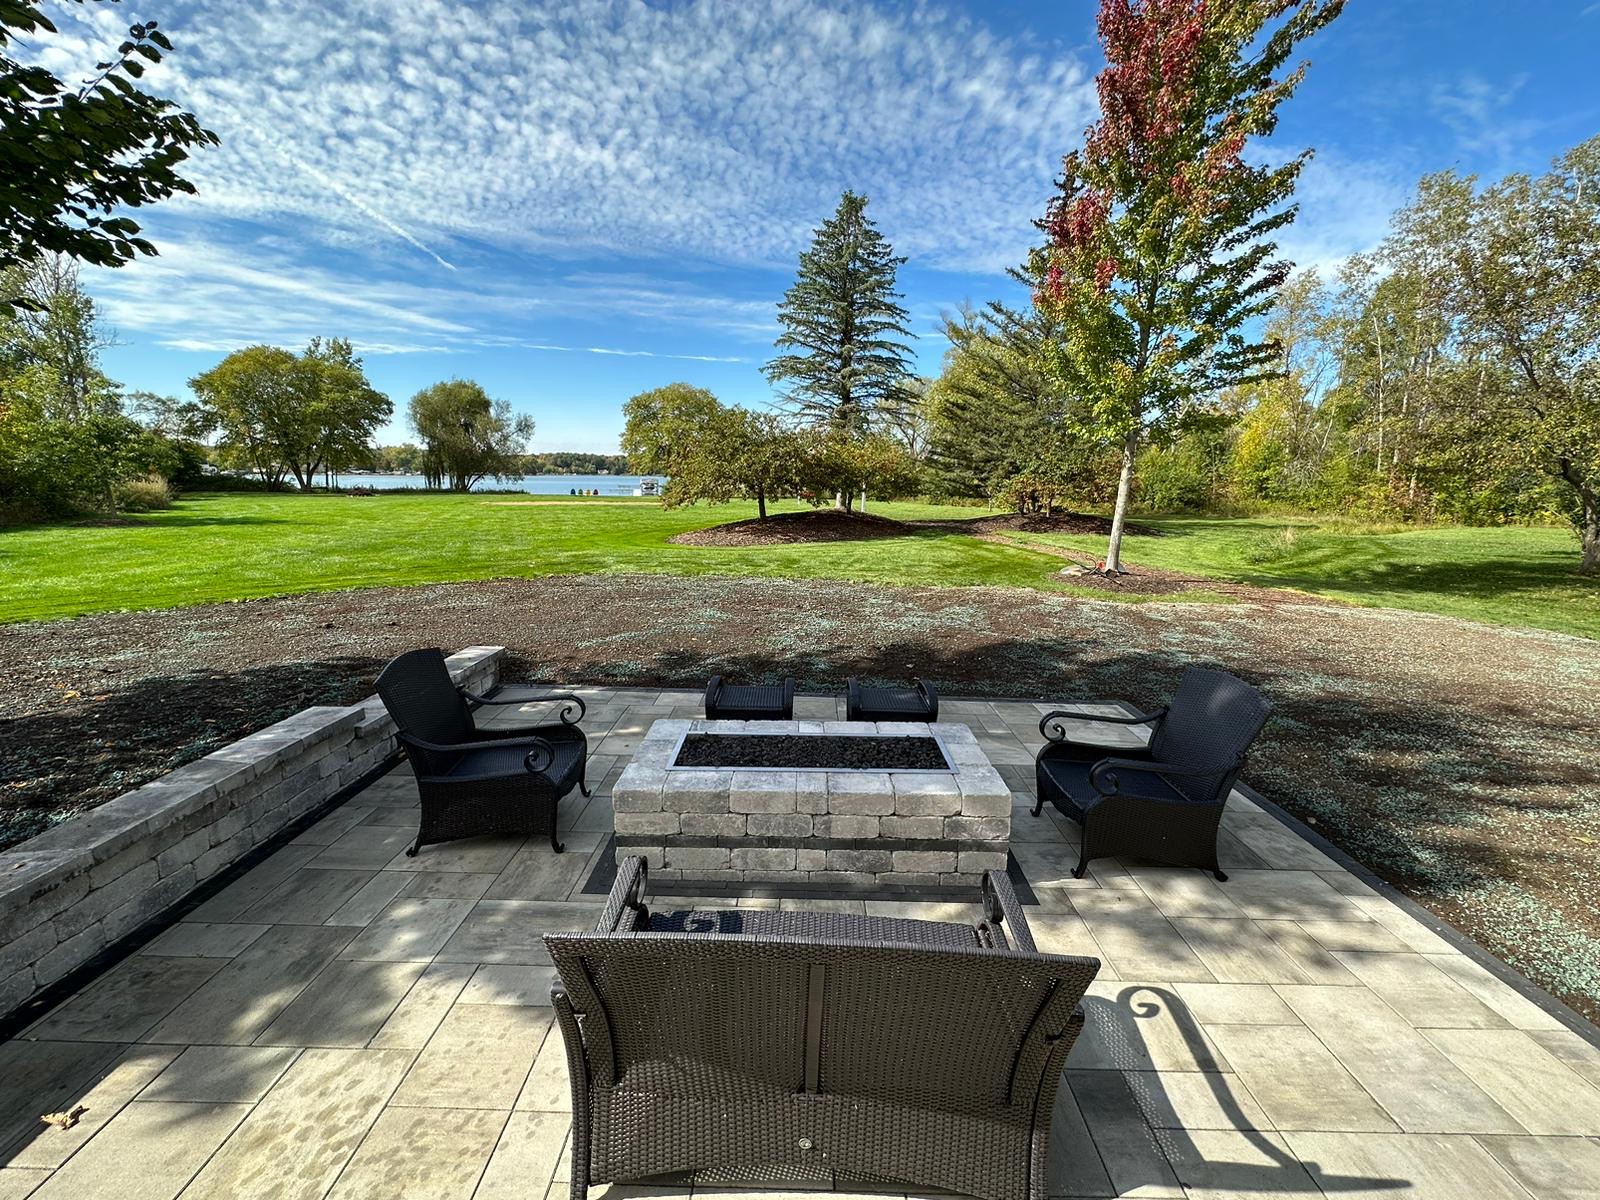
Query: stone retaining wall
{"type": "Point", "coordinates": [849, 828]}
{"type": "Point", "coordinates": [81, 886]}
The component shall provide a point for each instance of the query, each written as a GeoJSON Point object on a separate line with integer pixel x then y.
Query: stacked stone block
{"type": "Point", "coordinates": [79, 887]}
{"type": "Point", "coordinates": [853, 828]}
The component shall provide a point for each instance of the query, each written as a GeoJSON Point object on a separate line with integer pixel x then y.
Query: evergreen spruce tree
{"type": "Point", "coordinates": [840, 353]}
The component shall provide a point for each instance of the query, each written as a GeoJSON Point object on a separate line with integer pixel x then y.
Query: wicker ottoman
{"type": "Point", "coordinates": [919, 702]}
{"type": "Point", "coordinates": [750, 702]}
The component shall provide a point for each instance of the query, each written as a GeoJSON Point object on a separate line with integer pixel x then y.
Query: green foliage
{"type": "Point", "coordinates": [849, 467]}
{"type": "Point", "coordinates": [467, 437]}
{"type": "Point", "coordinates": [71, 157]}
{"type": "Point", "coordinates": [278, 413]}
{"type": "Point", "coordinates": [1159, 252]}
{"type": "Point", "coordinates": [842, 321]}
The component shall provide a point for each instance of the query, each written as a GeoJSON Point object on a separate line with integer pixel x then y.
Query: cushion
{"type": "Point", "coordinates": [1064, 781]}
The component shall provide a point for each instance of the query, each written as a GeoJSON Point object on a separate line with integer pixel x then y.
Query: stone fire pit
{"type": "Point", "coordinates": [860, 827]}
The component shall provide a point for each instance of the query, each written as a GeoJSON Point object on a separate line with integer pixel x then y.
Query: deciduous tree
{"type": "Point", "coordinates": [72, 156]}
{"type": "Point", "coordinates": [1159, 252]}
{"type": "Point", "coordinates": [467, 437]}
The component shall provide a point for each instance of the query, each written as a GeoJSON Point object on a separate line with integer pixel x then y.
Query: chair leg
{"type": "Point", "coordinates": [1038, 805]}
{"type": "Point", "coordinates": [411, 850]}
{"type": "Point", "coordinates": [1082, 868]}
{"type": "Point", "coordinates": [555, 845]}
{"type": "Point", "coordinates": [1219, 874]}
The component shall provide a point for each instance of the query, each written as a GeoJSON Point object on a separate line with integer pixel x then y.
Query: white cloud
{"type": "Point", "coordinates": [709, 129]}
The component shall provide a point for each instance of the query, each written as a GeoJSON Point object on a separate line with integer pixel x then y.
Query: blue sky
{"type": "Point", "coordinates": [573, 202]}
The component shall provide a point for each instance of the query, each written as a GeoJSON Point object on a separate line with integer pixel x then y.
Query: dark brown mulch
{"type": "Point", "coordinates": [1065, 522]}
{"type": "Point", "coordinates": [787, 529]}
{"type": "Point", "coordinates": [1458, 760]}
{"type": "Point", "coordinates": [811, 752]}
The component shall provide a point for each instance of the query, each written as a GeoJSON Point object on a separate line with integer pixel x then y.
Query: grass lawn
{"type": "Point", "coordinates": [1504, 576]}
{"type": "Point", "coordinates": [230, 546]}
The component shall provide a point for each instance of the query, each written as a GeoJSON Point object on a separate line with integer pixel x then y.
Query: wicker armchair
{"type": "Point", "coordinates": [737, 1045]}
{"type": "Point", "coordinates": [752, 702]}
{"type": "Point", "coordinates": [919, 702]}
{"type": "Point", "coordinates": [472, 781]}
{"type": "Point", "coordinates": [1164, 801]}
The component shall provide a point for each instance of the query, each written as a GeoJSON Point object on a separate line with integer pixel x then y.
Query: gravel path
{"type": "Point", "coordinates": [1459, 760]}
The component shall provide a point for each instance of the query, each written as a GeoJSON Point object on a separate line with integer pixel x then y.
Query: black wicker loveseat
{"type": "Point", "coordinates": [737, 1045]}
{"type": "Point", "coordinates": [1163, 801]}
{"type": "Point", "coordinates": [474, 781]}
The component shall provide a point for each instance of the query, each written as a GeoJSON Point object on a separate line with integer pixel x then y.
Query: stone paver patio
{"type": "Point", "coordinates": [344, 1021]}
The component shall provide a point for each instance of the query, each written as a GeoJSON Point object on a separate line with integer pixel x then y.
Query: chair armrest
{"type": "Point", "coordinates": [630, 889]}
{"type": "Point", "coordinates": [1058, 733]}
{"type": "Point", "coordinates": [1001, 907]}
{"type": "Point", "coordinates": [567, 701]}
{"type": "Point", "coordinates": [930, 697]}
{"type": "Point", "coordinates": [541, 754]}
{"type": "Point", "coordinates": [1110, 766]}
{"type": "Point", "coordinates": [713, 692]}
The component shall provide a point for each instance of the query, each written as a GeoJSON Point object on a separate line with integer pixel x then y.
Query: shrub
{"type": "Point", "coordinates": [142, 495]}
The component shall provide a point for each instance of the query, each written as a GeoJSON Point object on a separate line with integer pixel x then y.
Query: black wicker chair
{"type": "Point", "coordinates": [919, 702]}
{"type": "Point", "coordinates": [474, 781]}
{"type": "Point", "coordinates": [736, 1045]}
{"type": "Point", "coordinates": [1165, 801]}
{"type": "Point", "coordinates": [754, 702]}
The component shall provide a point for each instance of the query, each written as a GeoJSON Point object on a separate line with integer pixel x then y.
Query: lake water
{"type": "Point", "coordinates": [538, 485]}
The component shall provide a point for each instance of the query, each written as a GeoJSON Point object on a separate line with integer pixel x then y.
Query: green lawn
{"type": "Point", "coordinates": [1505, 576]}
{"type": "Point", "coordinates": [230, 546]}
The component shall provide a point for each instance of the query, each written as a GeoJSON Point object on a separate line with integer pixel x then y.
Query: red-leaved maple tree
{"type": "Point", "coordinates": [1158, 249]}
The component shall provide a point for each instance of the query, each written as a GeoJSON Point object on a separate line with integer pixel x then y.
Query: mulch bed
{"type": "Point", "coordinates": [1458, 760]}
{"type": "Point", "coordinates": [814, 752]}
{"type": "Point", "coordinates": [833, 525]}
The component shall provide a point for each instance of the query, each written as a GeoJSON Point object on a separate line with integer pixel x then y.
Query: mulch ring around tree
{"type": "Point", "coordinates": [832, 525]}
{"type": "Point", "coordinates": [788, 529]}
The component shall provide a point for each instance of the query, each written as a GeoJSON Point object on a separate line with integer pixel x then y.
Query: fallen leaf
{"type": "Point", "coordinates": [65, 1120]}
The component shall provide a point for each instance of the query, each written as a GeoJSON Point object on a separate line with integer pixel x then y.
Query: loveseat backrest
{"type": "Point", "coordinates": [1212, 719]}
{"type": "Point", "coordinates": [419, 694]}
{"type": "Point", "coordinates": [742, 1016]}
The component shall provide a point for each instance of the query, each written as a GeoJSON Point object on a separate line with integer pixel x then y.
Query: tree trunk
{"type": "Point", "coordinates": [1119, 515]}
{"type": "Point", "coordinates": [1589, 516]}
{"type": "Point", "coordinates": [761, 503]}
{"type": "Point", "coordinates": [863, 499]}
{"type": "Point", "coordinates": [838, 501]}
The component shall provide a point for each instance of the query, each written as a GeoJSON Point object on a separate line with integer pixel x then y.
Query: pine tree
{"type": "Point", "coordinates": [841, 357]}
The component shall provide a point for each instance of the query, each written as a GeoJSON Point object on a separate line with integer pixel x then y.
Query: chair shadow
{"type": "Point", "coordinates": [1117, 1022]}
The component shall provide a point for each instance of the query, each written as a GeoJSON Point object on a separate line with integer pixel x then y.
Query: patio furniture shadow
{"type": "Point", "coordinates": [1115, 1024]}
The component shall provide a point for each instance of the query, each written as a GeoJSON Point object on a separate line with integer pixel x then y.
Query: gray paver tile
{"type": "Point", "coordinates": [244, 997]}
{"type": "Point", "coordinates": [124, 1003]}
{"type": "Point", "coordinates": [1195, 1100]}
{"type": "Point", "coordinates": [255, 883]}
{"type": "Point", "coordinates": [335, 825]}
{"type": "Point", "coordinates": [525, 1157]}
{"type": "Point", "coordinates": [43, 1077]}
{"type": "Point", "coordinates": [1214, 1163]}
{"type": "Point", "coordinates": [480, 855]}
{"type": "Point", "coordinates": [421, 1154]}
{"type": "Point", "coordinates": [204, 939]}
{"type": "Point", "coordinates": [1420, 992]}
{"type": "Point", "coordinates": [1552, 1168]}
{"type": "Point", "coordinates": [479, 1057]}
{"type": "Point", "coordinates": [1141, 1027]}
{"type": "Point", "coordinates": [1235, 1004]}
{"type": "Point", "coordinates": [1518, 1011]}
{"type": "Point", "coordinates": [446, 885]}
{"type": "Point", "coordinates": [504, 984]}
{"type": "Point", "coordinates": [1368, 936]}
{"type": "Point", "coordinates": [1416, 1084]}
{"type": "Point", "coordinates": [308, 897]}
{"type": "Point", "coordinates": [1314, 959]}
{"type": "Point", "coordinates": [1277, 895]}
{"type": "Point", "coordinates": [1578, 1053]}
{"type": "Point", "coordinates": [1410, 930]}
{"type": "Point", "coordinates": [1136, 939]}
{"type": "Point", "coordinates": [1185, 892]}
{"type": "Point", "coordinates": [538, 873]}
{"type": "Point", "coordinates": [221, 1074]}
{"type": "Point", "coordinates": [1296, 1080]}
{"type": "Point", "coordinates": [1544, 1094]}
{"type": "Point", "coordinates": [1414, 1165]}
{"type": "Point", "coordinates": [149, 1152]}
{"type": "Point", "coordinates": [1129, 1150]}
{"type": "Point", "coordinates": [17, 1183]}
{"type": "Point", "coordinates": [424, 1007]}
{"type": "Point", "coordinates": [548, 1089]}
{"type": "Point", "coordinates": [1073, 1168]}
{"type": "Point", "coordinates": [374, 896]}
{"type": "Point", "coordinates": [509, 931]}
{"type": "Point", "coordinates": [126, 1077]}
{"type": "Point", "coordinates": [364, 848]}
{"type": "Point", "coordinates": [343, 1006]}
{"type": "Point", "coordinates": [1236, 951]}
{"type": "Point", "coordinates": [297, 1140]}
{"type": "Point", "coordinates": [409, 930]}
